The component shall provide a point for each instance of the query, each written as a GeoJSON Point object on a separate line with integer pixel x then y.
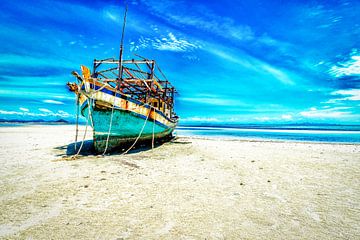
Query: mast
{"type": "Point", "coordinates": [121, 51]}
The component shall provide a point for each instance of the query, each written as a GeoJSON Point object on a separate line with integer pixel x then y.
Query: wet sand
{"type": "Point", "coordinates": [185, 189]}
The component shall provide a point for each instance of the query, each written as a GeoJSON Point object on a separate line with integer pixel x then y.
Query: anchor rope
{"type": "Point", "coordinates": [110, 125]}
{"type": "Point", "coordinates": [90, 101]}
{"type": "Point", "coordinates": [77, 119]}
{"type": "Point", "coordinates": [138, 137]}
{"type": "Point", "coordinates": [153, 135]}
{"type": "Point", "coordinates": [85, 132]}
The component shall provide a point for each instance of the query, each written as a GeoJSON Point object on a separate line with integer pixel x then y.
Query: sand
{"type": "Point", "coordinates": [190, 188]}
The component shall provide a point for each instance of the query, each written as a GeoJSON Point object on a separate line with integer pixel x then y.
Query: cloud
{"type": "Point", "coordinates": [165, 43]}
{"type": "Point", "coordinates": [262, 119]}
{"type": "Point", "coordinates": [346, 95]}
{"type": "Point", "coordinates": [348, 68]}
{"type": "Point", "coordinates": [253, 64]}
{"type": "Point", "coordinates": [24, 109]}
{"type": "Point", "coordinates": [286, 117]}
{"type": "Point", "coordinates": [210, 99]}
{"type": "Point", "coordinates": [45, 110]}
{"type": "Point", "coordinates": [336, 112]}
{"type": "Point", "coordinates": [52, 102]}
{"type": "Point", "coordinates": [43, 113]}
{"type": "Point", "coordinates": [11, 112]}
{"type": "Point", "coordinates": [111, 16]}
{"type": "Point", "coordinates": [200, 119]}
{"type": "Point", "coordinates": [199, 17]}
{"type": "Point", "coordinates": [352, 94]}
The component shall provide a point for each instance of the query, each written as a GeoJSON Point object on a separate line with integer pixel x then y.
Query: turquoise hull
{"type": "Point", "coordinates": [125, 129]}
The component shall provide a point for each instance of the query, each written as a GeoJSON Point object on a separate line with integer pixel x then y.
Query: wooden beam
{"type": "Point", "coordinates": [113, 61]}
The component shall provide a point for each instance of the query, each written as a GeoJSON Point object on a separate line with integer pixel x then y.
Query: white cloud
{"type": "Point", "coordinates": [262, 119]}
{"type": "Point", "coordinates": [45, 110]}
{"type": "Point", "coordinates": [111, 16]}
{"type": "Point", "coordinates": [337, 112]}
{"type": "Point", "coordinates": [11, 112]}
{"type": "Point", "coordinates": [352, 94]}
{"type": "Point", "coordinates": [252, 63]}
{"type": "Point", "coordinates": [346, 95]}
{"type": "Point", "coordinates": [53, 102]}
{"type": "Point", "coordinates": [24, 109]}
{"type": "Point", "coordinates": [348, 68]}
{"type": "Point", "coordinates": [286, 117]}
{"type": "Point", "coordinates": [200, 119]}
{"type": "Point", "coordinates": [213, 100]}
{"type": "Point", "coordinates": [199, 17]}
{"type": "Point", "coordinates": [168, 43]}
{"type": "Point", "coordinates": [43, 113]}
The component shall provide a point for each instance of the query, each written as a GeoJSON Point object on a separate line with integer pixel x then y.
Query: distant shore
{"type": "Point", "coordinates": [190, 188]}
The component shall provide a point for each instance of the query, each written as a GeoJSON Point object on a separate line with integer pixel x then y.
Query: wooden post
{"type": "Point", "coordinates": [121, 52]}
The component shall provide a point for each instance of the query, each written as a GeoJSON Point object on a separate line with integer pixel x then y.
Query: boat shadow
{"type": "Point", "coordinates": [87, 148]}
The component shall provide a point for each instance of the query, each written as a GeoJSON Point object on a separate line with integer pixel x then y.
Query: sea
{"type": "Point", "coordinates": [261, 132]}
{"type": "Point", "coordinates": [297, 133]}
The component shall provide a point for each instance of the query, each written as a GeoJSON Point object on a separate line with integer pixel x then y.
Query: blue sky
{"type": "Point", "coordinates": [231, 61]}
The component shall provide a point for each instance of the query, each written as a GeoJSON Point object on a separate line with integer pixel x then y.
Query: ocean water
{"type": "Point", "coordinates": [302, 133]}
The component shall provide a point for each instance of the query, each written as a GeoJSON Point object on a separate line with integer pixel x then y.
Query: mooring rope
{"type": "Point", "coordinates": [153, 130]}
{"type": "Point", "coordinates": [90, 101]}
{"type": "Point", "coordinates": [77, 119]}
{"type": "Point", "coordinates": [110, 125]}
{"type": "Point", "coordinates": [86, 127]}
{"type": "Point", "coordinates": [138, 137]}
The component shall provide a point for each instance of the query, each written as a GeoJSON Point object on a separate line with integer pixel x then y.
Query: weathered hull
{"type": "Point", "coordinates": [131, 120]}
{"type": "Point", "coordinates": [125, 128]}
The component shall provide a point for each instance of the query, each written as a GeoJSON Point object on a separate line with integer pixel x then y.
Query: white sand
{"type": "Point", "coordinates": [188, 189]}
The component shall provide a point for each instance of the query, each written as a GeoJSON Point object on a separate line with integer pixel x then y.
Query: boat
{"type": "Point", "coordinates": [125, 101]}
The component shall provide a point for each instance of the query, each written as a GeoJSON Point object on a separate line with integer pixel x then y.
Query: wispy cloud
{"type": "Point", "coordinates": [165, 43]}
{"type": "Point", "coordinates": [348, 68]}
{"type": "Point", "coordinates": [45, 110]}
{"type": "Point", "coordinates": [262, 119]}
{"type": "Point", "coordinates": [287, 117]}
{"type": "Point", "coordinates": [211, 99]}
{"type": "Point", "coordinates": [336, 112]}
{"type": "Point", "coordinates": [43, 113]}
{"type": "Point", "coordinates": [345, 95]}
{"type": "Point", "coordinates": [24, 109]}
{"type": "Point", "coordinates": [199, 17]}
{"type": "Point", "coordinates": [200, 119]}
{"type": "Point", "coordinates": [52, 101]}
{"type": "Point", "coordinates": [253, 64]}
{"type": "Point", "coordinates": [351, 94]}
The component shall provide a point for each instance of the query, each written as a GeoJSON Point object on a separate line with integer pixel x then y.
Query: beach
{"type": "Point", "coordinates": [189, 188]}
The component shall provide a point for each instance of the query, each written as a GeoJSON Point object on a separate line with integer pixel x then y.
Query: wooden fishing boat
{"type": "Point", "coordinates": [125, 101]}
{"type": "Point", "coordinates": [139, 108]}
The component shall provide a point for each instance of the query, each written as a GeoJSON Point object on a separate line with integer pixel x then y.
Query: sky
{"type": "Point", "coordinates": [231, 61]}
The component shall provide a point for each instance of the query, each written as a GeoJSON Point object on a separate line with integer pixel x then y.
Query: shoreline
{"type": "Point", "coordinates": [222, 137]}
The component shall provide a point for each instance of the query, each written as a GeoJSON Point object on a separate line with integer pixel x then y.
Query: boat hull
{"type": "Point", "coordinates": [126, 127]}
{"type": "Point", "coordinates": [138, 122]}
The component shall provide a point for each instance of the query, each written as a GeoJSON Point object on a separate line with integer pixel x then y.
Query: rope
{"type": "Point", "coordinates": [110, 126]}
{"type": "Point", "coordinates": [77, 119]}
{"type": "Point", "coordinates": [86, 127]}
{"type": "Point", "coordinates": [153, 135]}
{"type": "Point", "coordinates": [90, 103]}
{"type": "Point", "coordinates": [142, 129]}
{"type": "Point", "coordinates": [77, 113]}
